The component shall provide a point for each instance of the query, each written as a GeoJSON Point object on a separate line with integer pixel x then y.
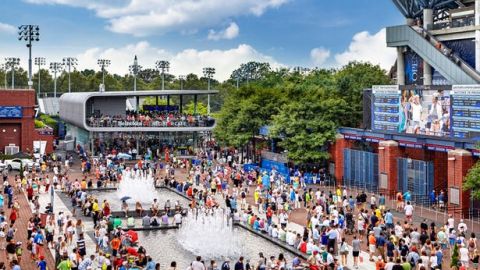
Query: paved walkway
{"type": "Point", "coordinates": [21, 225]}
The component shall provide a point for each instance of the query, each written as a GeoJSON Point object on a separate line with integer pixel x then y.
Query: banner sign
{"type": "Point", "coordinates": [11, 112]}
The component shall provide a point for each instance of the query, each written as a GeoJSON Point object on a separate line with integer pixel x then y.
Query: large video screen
{"type": "Point", "coordinates": [411, 110]}
{"type": "Point", "coordinates": [466, 111]}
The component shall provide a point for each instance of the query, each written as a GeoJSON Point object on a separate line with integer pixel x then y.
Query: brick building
{"type": "Point", "coordinates": [17, 121]}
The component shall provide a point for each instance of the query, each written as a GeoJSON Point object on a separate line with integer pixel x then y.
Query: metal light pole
{"type": "Point", "coordinates": [69, 62]}
{"type": "Point", "coordinates": [134, 70]}
{"type": "Point", "coordinates": [12, 63]}
{"type": "Point", "coordinates": [208, 73]}
{"type": "Point", "coordinates": [237, 75]}
{"type": "Point", "coordinates": [55, 67]}
{"type": "Point", "coordinates": [181, 78]}
{"type": "Point", "coordinates": [39, 61]}
{"type": "Point", "coordinates": [3, 68]}
{"type": "Point", "coordinates": [163, 66]}
{"type": "Point", "coordinates": [103, 63]}
{"type": "Point", "coordinates": [29, 33]}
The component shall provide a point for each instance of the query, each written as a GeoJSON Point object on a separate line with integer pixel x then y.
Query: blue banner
{"type": "Point", "coordinates": [11, 112]}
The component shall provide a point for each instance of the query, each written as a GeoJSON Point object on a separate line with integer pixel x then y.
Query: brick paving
{"type": "Point", "coordinates": [21, 223]}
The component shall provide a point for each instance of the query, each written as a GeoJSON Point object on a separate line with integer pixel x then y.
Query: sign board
{"type": "Point", "coordinates": [274, 156]}
{"type": "Point", "coordinates": [454, 195]}
{"type": "Point", "coordinates": [11, 112]}
{"type": "Point", "coordinates": [383, 181]}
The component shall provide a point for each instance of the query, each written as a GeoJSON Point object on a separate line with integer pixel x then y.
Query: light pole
{"type": "Point", "coordinates": [134, 70]}
{"type": "Point", "coordinates": [39, 61]}
{"type": "Point", "coordinates": [55, 67]}
{"type": "Point", "coordinates": [69, 62]}
{"type": "Point", "coordinates": [3, 68]}
{"type": "Point", "coordinates": [181, 78]}
{"type": "Point", "coordinates": [208, 73]}
{"type": "Point", "coordinates": [29, 33]}
{"type": "Point", "coordinates": [237, 75]}
{"type": "Point", "coordinates": [163, 66]}
{"type": "Point", "coordinates": [103, 63]}
{"type": "Point", "coordinates": [12, 63]}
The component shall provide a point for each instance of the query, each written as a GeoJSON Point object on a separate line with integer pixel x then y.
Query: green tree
{"type": "Point", "coordinates": [472, 181]}
{"type": "Point", "coordinates": [190, 108]}
{"type": "Point", "coordinates": [306, 125]}
{"type": "Point", "coordinates": [351, 80]}
{"type": "Point", "coordinates": [250, 71]}
{"type": "Point", "coordinates": [455, 257]}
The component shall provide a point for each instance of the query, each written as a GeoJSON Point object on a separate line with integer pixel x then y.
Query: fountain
{"type": "Point", "coordinates": [139, 186]}
{"type": "Point", "coordinates": [209, 234]}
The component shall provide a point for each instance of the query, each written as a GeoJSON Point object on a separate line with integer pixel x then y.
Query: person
{"type": "Point", "coordinates": [173, 265]}
{"type": "Point", "coordinates": [65, 264]}
{"type": "Point", "coordinates": [146, 220]}
{"type": "Point", "coordinates": [343, 251]}
{"type": "Point", "coordinates": [41, 263]}
{"type": "Point", "coordinates": [226, 265]}
{"type": "Point", "coordinates": [197, 264]}
{"type": "Point", "coordinates": [313, 262]}
{"type": "Point", "coordinates": [239, 264]}
{"type": "Point", "coordinates": [355, 250]}
{"type": "Point", "coordinates": [408, 211]}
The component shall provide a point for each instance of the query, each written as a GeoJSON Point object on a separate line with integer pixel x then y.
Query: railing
{"type": "Point", "coordinates": [209, 122]}
{"type": "Point", "coordinates": [455, 23]}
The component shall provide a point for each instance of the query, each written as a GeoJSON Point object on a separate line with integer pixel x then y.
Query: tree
{"type": "Point", "coordinates": [190, 108]}
{"type": "Point", "coordinates": [148, 74]}
{"type": "Point", "coordinates": [472, 181]}
{"type": "Point", "coordinates": [351, 80]}
{"type": "Point", "coordinates": [305, 126]}
{"type": "Point", "coordinates": [455, 257]}
{"type": "Point", "coordinates": [250, 71]}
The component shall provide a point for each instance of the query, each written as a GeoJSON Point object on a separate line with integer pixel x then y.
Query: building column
{"type": "Point", "coordinates": [459, 162]}
{"type": "Point", "coordinates": [388, 153]}
{"type": "Point", "coordinates": [337, 156]}
{"type": "Point", "coordinates": [400, 66]}
{"type": "Point", "coordinates": [477, 35]}
{"type": "Point", "coordinates": [427, 25]}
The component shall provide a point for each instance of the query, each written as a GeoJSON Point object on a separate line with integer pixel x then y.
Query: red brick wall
{"type": "Point", "coordinates": [337, 157]}
{"type": "Point", "coordinates": [459, 162]}
{"type": "Point", "coordinates": [387, 163]}
{"type": "Point", "coordinates": [26, 99]}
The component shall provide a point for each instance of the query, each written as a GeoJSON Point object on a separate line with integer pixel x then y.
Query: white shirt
{"type": "Point", "coordinates": [416, 111]}
{"type": "Point", "coordinates": [408, 210]}
{"type": "Point", "coordinates": [464, 254]}
{"type": "Point", "coordinates": [196, 265]}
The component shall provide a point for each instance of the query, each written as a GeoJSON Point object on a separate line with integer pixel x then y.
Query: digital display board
{"type": "Point", "coordinates": [466, 111]}
{"type": "Point", "coordinates": [11, 112]}
{"type": "Point", "coordinates": [385, 107]}
{"type": "Point", "coordinates": [413, 111]}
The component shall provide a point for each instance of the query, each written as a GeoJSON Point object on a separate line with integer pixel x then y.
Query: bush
{"type": "Point", "coordinates": [39, 124]}
{"type": "Point", "coordinates": [455, 257]}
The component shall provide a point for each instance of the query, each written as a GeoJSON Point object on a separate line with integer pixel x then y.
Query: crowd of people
{"type": "Point", "coordinates": [150, 119]}
{"type": "Point", "coordinates": [337, 225]}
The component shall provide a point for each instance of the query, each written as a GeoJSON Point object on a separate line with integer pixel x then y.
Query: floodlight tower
{"type": "Point", "coordinates": [208, 72]}
{"type": "Point", "coordinates": [39, 61]}
{"type": "Point", "coordinates": [29, 33]}
{"type": "Point", "coordinates": [12, 64]}
{"type": "Point", "coordinates": [163, 66]}
{"type": "Point", "coordinates": [134, 70]}
{"type": "Point", "coordinates": [69, 62]}
{"type": "Point", "coordinates": [103, 63]}
{"type": "Point", "coordinates": [55, 67]}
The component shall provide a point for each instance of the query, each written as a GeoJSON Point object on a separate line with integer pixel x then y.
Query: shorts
{"type": "Point", "coordinates": [372, 248]}
{"type": "Point", "coordinates": [355, 253]}
{"type": "Point", "coordinates": [12, 256]}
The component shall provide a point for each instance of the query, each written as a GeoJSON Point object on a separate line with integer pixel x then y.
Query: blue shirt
{"type": "Point", "coordinates": [150, 265]}
{"type": "Point", "coordinates": [389, 218]}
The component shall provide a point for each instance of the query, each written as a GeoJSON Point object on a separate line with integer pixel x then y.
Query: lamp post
{"type": "Point", "coordinates": [237, 75]}
{"type": "Point", "coordinates": [134, 70]}
{"type": "Point", "coordinates": [69, 62]}
{"type": "Point", "coordinates": [3, 68]}
{"type": "Point", "coordinates": [39, 61]}
{"type": "Point", "coordinates": [163, 66]}
{"type": "Point", "coordinates": [103, 63]}
{"type": "Point", "coordinates": [181, 78]}
{"type": "Point", "coordinates": [208, 73]}
{"type": "Point", "coordinates": [29, 33]}
{"type": "Point", "coordinates": [12, 63]}
{"type": "Point", "coordinates": [55, 67]}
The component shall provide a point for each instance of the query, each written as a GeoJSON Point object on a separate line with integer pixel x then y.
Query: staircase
{"type": "Point", "coordinates": [452, 67]}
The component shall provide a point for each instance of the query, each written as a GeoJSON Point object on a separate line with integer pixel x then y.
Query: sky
{"type": "Point", "coordinates": [193, 34]}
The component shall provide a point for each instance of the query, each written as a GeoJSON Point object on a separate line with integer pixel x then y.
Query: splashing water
{"type": "Point", "coordinates": [137, 185]}
{"type": "Point", "coordinates": [210, 235]}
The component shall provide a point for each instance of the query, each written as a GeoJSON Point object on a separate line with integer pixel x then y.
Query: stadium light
{"type": "Point", "coordinates": [134, 70]}
{"type": "Point", "coordinates": [103, 63]}
{"type": "Point", "coordinates": [29, 33]}
{"type": "Point", "coordinates": [181, 78]}
{"type": "Point", "coordinates": [163, 66]}
{"type": "Point", "coordinates": [69, 62]}
{"type": "Point", "coordinates": [4, 70]}
{"type": "Point", "coordinates": [55, 67]}
{"type": "Point", "coordinates": [12, 64]}
{"type": "Point", "coordinates": [39, 61]}
{"type": "Point", "coordinates": [208, 72]}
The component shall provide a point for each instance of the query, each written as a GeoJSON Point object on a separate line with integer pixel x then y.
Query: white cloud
{"type": "Point", "coordinates": [319, 56]}
{"type": "Point", "coordinates": [7, 28]}
{"type": "Point", "coordinates": [181, 63]}
{"type": "Point", "coordinates": [368, 48]}
{"type": "Point", "coordinates": [230, 32]}
{"type": "Point", "coordinates": [147, 17]}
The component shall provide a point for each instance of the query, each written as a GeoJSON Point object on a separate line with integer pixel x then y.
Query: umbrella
{"type": "Point", "coordinates": [133, 236]}
{"type": "Point", "coordinates": [124, 198]}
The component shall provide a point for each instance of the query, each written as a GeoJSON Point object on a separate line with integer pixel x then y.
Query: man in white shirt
{"type": "Point", "coordinates": [462, 227]}
{"type": "Point", "coordinates": [283, 218]}
{"type": "Point", "coordinates": [197, 264]}
{"type": "Point", "coordinates": [408, 211]}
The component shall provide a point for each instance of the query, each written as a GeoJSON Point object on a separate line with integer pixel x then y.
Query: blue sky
{"type": "Point", "coordinates": [193, 34]}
